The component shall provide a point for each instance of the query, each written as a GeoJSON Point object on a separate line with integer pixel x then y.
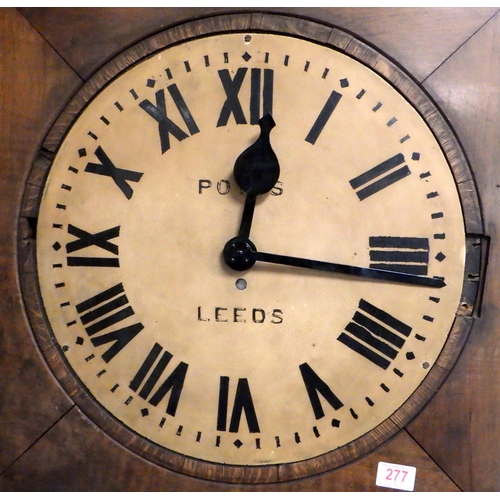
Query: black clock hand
{"type": "Point", "coordinates": [256, 171]}
{"type": "Point", "coordinates": [247, 217]}
{"type": "Point", "coordinates": [240, 254]}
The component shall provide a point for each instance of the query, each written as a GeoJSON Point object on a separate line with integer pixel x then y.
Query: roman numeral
{"type": "Point", "coordinates": [380, 177]}
{"type": "Point", "coordinates": [375, 334]}
{"type": "Point", "coordinates": [243, 402]}
{"type": "Point", "coordinates": [105, 310]}
{"type": "Point", "coordinates": [323, 117]}
{"type": "Point", "coordinates": [261, 84]}
{"type": "Point", "coordinates": [99, 240]}
{"type": "Point", "coordinates": [119, 175]}
{"type": "Point", "coordinates": [392, 253]}
{"type": "Point", "coordinates": [166, 126]}
{"type": "Point", "coordinates": [173, 383]}
{"type": "Point", "coordinates": [316, 386]}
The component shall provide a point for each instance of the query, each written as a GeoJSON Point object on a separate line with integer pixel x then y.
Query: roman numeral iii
{"type": "Point", "coordinates": [375, 334]}
{"type": "Point", "coordinates": [406, 255]}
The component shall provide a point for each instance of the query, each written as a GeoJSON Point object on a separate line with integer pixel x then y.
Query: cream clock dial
{"type": "Point", "coordinates": [250, 251]}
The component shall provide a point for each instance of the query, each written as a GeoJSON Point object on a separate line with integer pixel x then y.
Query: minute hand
{"type": "Point", "coordinates": [350, 270]}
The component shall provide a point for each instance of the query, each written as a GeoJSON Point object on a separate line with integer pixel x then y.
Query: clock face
{"type": "Point", "coordinates": [274, 364]}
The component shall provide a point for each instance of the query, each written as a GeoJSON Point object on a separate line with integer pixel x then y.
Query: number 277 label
{"type": "Point", "coordinates": [399, 477]}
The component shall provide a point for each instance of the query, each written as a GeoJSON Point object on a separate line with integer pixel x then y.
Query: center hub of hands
{"type": "Point", "coordinates": [239, 253]}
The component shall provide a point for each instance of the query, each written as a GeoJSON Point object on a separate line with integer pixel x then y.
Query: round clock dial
{"type": "Point", "coordinates": [250, 251]}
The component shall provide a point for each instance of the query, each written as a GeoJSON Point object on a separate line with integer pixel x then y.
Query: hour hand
{"type": "Point", "coordinates": [256, 171]}
{"type": "Point", "coordinates": [240, 254]}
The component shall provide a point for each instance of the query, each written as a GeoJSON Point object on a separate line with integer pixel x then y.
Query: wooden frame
{"type": "Point", "coordinates": [316, 32]}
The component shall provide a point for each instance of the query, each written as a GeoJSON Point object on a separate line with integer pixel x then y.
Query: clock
{"type": "Point", "coordinates": [257, 248]}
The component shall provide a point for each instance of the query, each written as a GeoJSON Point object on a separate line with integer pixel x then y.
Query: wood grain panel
{"type": "Point", "coordinates": [419, 38]}
{"type": "Point", "coordinates": [35, 83]}
{"type": "Point", "coordinates": [468, 89]}
{"type": "Point", "coordinates": [90, 461]}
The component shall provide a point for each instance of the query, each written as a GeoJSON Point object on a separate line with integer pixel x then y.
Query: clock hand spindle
{"type": "Point", "coordinates": [256, 171]}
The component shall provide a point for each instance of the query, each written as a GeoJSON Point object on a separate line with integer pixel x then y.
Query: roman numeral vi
{"type": "Point", "coordinates": [243, 402]}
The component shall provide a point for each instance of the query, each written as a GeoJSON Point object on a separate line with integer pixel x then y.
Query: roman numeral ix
{"type": "Point", "coordinates": [98, 240]}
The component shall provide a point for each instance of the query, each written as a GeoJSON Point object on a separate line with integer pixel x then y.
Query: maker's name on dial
{"type": "Point", "coordinates": [224, 186]}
